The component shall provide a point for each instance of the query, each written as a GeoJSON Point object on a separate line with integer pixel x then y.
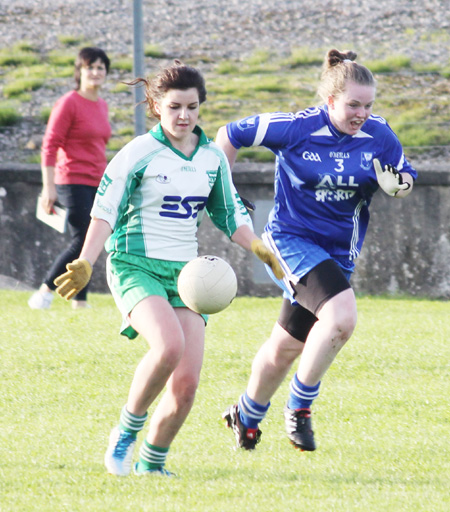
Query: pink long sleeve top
{"type": "Point", "coordinates": [75, 140]}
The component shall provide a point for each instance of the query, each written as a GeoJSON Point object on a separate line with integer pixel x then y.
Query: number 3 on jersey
{"type": "Point", "coordinates": [340, 164]}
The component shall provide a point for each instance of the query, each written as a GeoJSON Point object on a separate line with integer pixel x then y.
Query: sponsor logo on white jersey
{"type": "Point", "coordinates": [310, 155]}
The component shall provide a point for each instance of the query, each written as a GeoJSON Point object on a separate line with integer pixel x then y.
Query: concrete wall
{"type": "Point", "coordinates": [407, 248]}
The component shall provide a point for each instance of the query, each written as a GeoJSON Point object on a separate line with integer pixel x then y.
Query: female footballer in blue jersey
{"type": "Point", "coordinates": [146, 213]}
{"type": "Point", "coordinates": [330, 160]}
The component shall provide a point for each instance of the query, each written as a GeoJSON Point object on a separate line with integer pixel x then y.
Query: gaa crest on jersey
{"type": "Point", "coordinates": [311, 156]}
{"type": "Point", "coordinates": [163, 179]}
{"type": "Point", "coordinates": [366, 160]}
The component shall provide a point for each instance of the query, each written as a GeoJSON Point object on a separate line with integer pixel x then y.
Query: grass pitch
{"type": "Point", "coordinates": [382, 420]}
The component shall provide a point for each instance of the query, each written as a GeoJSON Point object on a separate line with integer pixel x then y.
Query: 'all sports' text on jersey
{"type": "Point", "coordinates": [324, 179]}
{"type": "Point", "coordinates": [154, 197]}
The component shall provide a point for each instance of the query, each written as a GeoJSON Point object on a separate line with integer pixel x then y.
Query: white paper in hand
{"type": "Point", "coordinates": [56, 220]}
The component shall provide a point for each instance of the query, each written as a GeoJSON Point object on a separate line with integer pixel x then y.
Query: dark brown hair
{"type": "Point", "coordinates": [86, 56]}
{"type": "Point", "coordinates": [176, 76]}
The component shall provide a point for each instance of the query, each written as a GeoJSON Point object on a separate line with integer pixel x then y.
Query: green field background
{"type": "Point", "coordinates": [382, 419]}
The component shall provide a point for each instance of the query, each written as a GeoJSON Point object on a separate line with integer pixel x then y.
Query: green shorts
{"type": "Point", "coordinates": [133, 278]}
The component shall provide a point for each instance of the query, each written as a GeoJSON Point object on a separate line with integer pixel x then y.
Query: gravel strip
{"type": "Point", "coordinates": [215, 30]}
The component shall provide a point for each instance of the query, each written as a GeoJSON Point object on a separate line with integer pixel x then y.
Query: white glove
{"type": "Point", "coordinates": [389, 179]}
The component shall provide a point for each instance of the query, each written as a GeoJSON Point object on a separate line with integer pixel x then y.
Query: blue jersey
{"type": "Point", "coordinates": [324, 179]}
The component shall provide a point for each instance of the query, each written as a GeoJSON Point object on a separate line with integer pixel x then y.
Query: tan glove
{"type": "Point", "coordinates": [74, 280]}
{"type": "Point", "coordinates": [268, 257]}
{"type": "Point", "coordinates": [389, 179]}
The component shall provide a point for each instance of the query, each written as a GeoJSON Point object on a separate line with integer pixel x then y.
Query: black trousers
{"type": "Point", "coordinates": [78, 199]}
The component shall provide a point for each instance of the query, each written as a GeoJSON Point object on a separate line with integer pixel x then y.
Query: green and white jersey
{"type": "Point", "coordinates": [154, 197]}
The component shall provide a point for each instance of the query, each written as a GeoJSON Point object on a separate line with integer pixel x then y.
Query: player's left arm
{"type": "Point", "coordinates": [394, 183]}
{"type": "Point", "coordinates": [394, 173]}
{"type": "Point", "coordinates": [245, 237]}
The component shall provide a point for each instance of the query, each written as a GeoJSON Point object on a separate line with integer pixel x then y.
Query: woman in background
{"type": "Point", "coordinates": [73, 159]}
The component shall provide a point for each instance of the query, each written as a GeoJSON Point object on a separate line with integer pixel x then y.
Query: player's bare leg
{"type": "Point", "coordinates": [272, 363]}
{"type": "Point", "coordinates": [157, 322]}
{"type": "Point", "coordinates": [178, 399]}
{"type": "Point", "coordinates": [270, 366]}
{"type": "Point", "coordinates": [335, 325]}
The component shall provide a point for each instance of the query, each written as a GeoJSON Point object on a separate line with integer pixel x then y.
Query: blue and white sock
{"type": "Point", "coordinates": [250, 412]}
{"type": "Point", "coordinates": [301, 396]}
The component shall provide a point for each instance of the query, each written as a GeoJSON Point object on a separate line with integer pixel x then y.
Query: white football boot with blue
{"type": "Point", "coordinates": [119, 455]}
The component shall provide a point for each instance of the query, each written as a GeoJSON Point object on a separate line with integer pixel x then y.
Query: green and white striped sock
{"type": "Point", "coordinates": [130, 422]}
{"type": "Point", "coordinates": [151, 457]}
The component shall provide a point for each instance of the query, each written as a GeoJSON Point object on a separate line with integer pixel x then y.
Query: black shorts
{"type": "Point", "coordinates": [314, 289]}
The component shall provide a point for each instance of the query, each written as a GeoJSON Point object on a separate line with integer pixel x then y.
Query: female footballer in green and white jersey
{"type": "Point", "coordinates": [146, 213]}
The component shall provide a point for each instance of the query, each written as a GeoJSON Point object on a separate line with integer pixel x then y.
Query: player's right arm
{"type": "Point", "coordinates": [271, 130]}
{"type": "Point", "coordinates": [96, 236]}
{"type": "Point", "coordinates": [79, 272]}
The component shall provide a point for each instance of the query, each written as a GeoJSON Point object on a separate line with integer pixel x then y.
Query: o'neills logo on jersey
{"type": "Point", "coordinates": [188, 168]}
{"type": "Point", "coordinates": [339, 154]}
{"type": "Point", "coordinates": [309, 155]}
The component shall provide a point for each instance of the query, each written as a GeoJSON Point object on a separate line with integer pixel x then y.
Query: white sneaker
{"type": "Point", "coordinates": [119, 454]}
{"type": "Point", "coordinates": [40, 300]}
